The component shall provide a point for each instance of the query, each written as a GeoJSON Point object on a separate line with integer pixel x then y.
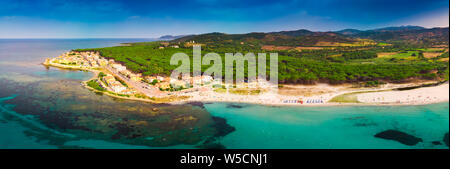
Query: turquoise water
{"type": "Point", "coordinates": [331, 127]}
{"type": "Point", "coordinates": [30, 93]}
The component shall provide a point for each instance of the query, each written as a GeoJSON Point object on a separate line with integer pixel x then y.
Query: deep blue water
{"type": "Point", "coordinates": [255, 126]}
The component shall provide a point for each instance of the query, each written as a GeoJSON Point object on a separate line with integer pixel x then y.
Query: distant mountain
{"type": "Point", "coordinates": [303, 37]}
{"type": "Point", "coordinates": [349, 31]}
{"type": "Point", "coordinates": [408, 34]}
{"type": "Point", "coordinates": [300, 32]}
{"type": "Point", "coordinates": [386, 29]}
{"type": "Point", "coordinates": [399, 28]}
{"type": "Point", "coordinates": [284, 38]}
{"type": "Point", "coordinates": [171, 37]}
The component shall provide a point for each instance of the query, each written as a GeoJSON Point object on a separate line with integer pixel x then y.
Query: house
{"type": "Point", "coordinates": [94, 64]}
{"type": "Point", "coordinates": [135, 77]}
{"type": "Point", "coordinates": [160, 78]}
{"type": "Point", "coordinates": [119, 67]}
{"type": "Point", "coordinates": [206, 79]}
{"type": "Point", "coordinates": [103, 62]}
{"type": "Point", "coordinates": [175, 46]}
{"type": "Point", "coordinates": [179, 83]}
{"type": "Point", "coordinates": [118, 88]}
{"type": "Point", "coordinates": [125, 73]}
{"type": "Point", "coordinates": [93, 56]}
{"type": "Point", "coordinates": [109, 78]}
{"type": "Point", "coordinates": [150, 79]}
{"type": "Point", "coordinates": [163, 85]}
{"type": "Point", "coordinates": [197, 80]}
{"type": "Point", "coordinates": [165, 44]}
{"type": "Point", "coordinates": [127, 91]}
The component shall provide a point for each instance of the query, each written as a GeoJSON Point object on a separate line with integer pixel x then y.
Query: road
{"type": "Point", "coordinates": [138, 86]}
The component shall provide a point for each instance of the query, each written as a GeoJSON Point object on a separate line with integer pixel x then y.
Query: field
{"type": "Point", "coordinates": [408, 55]}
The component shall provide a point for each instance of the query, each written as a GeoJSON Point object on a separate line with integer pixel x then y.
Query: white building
{"type": "Point", "coordinates": [160, 78]}
{"type": "Point", "coordinates": [206, 79]}
{"type": "Point", "coordinates": [119, 67]}
{"type": "Point", "coordinates": [118, 88]}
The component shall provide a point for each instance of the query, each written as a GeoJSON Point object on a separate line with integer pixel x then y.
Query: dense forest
{"type": "Point", "coordinates": [345, 59]}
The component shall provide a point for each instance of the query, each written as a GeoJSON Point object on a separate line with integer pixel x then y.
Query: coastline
{"type": "Point", "coordinates": [274, 99]}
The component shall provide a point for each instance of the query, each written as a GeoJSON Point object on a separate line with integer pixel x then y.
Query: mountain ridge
{"type": "Point", "coordinates": [302, 37]}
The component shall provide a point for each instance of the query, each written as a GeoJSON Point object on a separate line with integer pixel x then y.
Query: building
{"type": "Point", "coordinates": [197, 80]}
{"type": "Point", "coordinates": [127, 91]}
{"type": "Point", "coordinates": [165, 44]}
{"type": "Point", "coordinates": [109, 78]}
{"type": "Point", "coordinates": [206, 79]}
{"type": "Point", "coordinates": [179, 83]}
{"type": "Point", "coordinates": [163, 85]}
{"type": "Point", "coordinates": [160, 78]}
{"type": "Point", "coordinates": [135, 77]}
{"type": "Point", "coordinates": [103, 62]}
{"type": "Point", "coordinates": [118, 88]}
{"type": "Point", "coordinates": [150, 78]}
{"type": "Point", "coordinates": [125, 73]}
{"type": "Point", "coordinates": [119, 67]}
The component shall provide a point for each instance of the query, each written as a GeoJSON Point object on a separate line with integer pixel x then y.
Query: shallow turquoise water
{"type": "Point", "coordinates": [64, 74]}
{"type": "Point", "coordinates": [255, 126]}
{"type": "Point", "coordinates": [331, 127]}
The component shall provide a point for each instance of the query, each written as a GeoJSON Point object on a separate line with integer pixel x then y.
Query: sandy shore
{"type": "Point", "coordinates": [425, 95]}
{"type": "Point", "coordinates": [364, 96]}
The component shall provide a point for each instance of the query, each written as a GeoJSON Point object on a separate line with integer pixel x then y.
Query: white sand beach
{"type": "Point", "coordinates": [425, 95]}
{"type": "Point", "coordinates": [367, 96]}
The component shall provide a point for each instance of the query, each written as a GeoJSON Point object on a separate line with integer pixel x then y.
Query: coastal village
{"type": "Point", "coordinates": [116, 80]}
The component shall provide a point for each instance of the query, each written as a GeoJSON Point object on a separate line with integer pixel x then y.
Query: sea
{"type": "Point", "coordinates": [47, 108]}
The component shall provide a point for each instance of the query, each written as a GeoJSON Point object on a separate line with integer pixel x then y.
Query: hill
{"type": "Point", "coordinates": [171, 37]}
{"type": "Point", "coordinates": [412, 35]}
{"type": "Point", "coordinates": [408, 35]}
{"type": "Point", "coordinates": [349, 31]}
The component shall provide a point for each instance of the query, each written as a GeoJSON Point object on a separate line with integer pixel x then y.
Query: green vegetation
{"type": "Point", "coordinates": [334, 64]}
{"type": "Point", "coordinates": [345, 98]}
{"type": "Point", "coordinates": [94, 84]}
{"type": "Point", "coordinates": [375, 83]}
{"type": "Point", "coordinates": [359, 55]}
{"type": "Point", "coordinates": [101, 75]}
{"type": "Point", "coordinates": [154, 82]}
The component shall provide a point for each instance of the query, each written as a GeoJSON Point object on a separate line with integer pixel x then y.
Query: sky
{"type": "Point", "coordinates": [151, 19]}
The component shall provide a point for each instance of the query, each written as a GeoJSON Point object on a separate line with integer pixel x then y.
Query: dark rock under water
{"type": "Point", "coordinates": [436, 143]}
{"type": "Point", "coordinates": [399, 136]}
{"type": "Point", "coordinates": [199, 104]}
{"type": "Point", "coordinates": [221, 126]}
{"type": "Point", "coordinates": [65, 106]}
{"type": "Point", "coordinates": [446, 139]}
{"type": "Point", "coordinates": [234, 106]}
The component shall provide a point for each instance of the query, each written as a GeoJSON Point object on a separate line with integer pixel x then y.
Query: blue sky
{"type": "Point", "coordinates": [146, 19]}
